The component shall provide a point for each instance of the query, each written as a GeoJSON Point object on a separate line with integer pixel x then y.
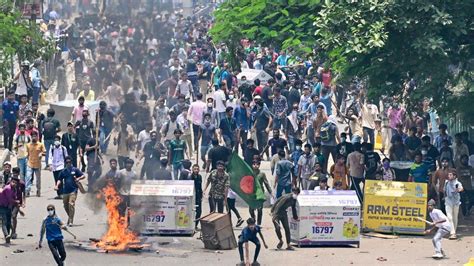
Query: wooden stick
{"type": "Point", "coordinates": [423, 220]}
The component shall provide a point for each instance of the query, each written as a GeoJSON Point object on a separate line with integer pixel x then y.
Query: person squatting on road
{"type": "Point", "coordinates": [249, 233]}
{"type": "Point", "coordinates": [441, 222]}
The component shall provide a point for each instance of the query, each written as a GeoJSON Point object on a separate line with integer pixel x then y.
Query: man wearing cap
{"type": "Point", "coordinates": [6, 174]}
{"type": "Point", "coordinates": [24, 80]}
{"type": "Point", "coordinates": [444, 227]}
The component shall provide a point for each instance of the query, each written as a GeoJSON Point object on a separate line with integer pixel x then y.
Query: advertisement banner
{"type": "Point", "coordinates": [392, 207]}
{"type": "Point", "coordinates": [326, 217]}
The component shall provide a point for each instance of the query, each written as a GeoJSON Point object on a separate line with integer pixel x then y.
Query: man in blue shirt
{"type": "Point", "coordinates": [249, 233]}
{"type": "Point", "coordinates": [10, 109]}
{"type": "Point", "coordinates": [52, 226]}
{"type": "Point", "coordinates": [283, 171]}
{"type": "Point", "coordinates": [69, 179]}
{"type": "Point", "coordinates": [36, 81]}
{"type": "Point", "coordinates": [242, 119]}
{"type": "Point", "coordinates": [228, 128]}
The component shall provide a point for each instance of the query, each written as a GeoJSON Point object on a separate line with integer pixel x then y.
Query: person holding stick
{"type": "Point", "coordinates": [249, 233]}
{"type": "Point", "coordinates": [444, 227]}
{"type": "Point", "coordinates": [52, 226]}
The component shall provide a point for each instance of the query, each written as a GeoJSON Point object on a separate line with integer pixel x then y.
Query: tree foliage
{"type": "Point", "coordinates": [386, 42]}
{"type": "Point", "coordinates": [19, 38]}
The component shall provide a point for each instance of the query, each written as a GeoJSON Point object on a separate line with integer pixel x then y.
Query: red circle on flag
{"type": "Point", "coordinates": [247, 184]}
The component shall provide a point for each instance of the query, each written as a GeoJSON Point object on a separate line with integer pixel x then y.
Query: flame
{"type": "Point", "coordinates": [118, 237]}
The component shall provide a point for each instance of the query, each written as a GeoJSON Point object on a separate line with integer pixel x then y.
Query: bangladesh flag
{"type": "Point", "coordinates": [243, 182]}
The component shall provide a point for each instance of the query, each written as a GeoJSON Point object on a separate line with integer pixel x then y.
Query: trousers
{"type": "Point", "coordinates": [259, 214]}
{"type": "Point", "coordinates": [58, 251]}
{"type": "Point", "coordinates": [355, 185]}
{"type": "Point", "coordinates": [216, 203]}
{"type": "Point", "coordinates": [69, 202]}
{"type": "Point", "coordinates": [241, 248]}
{"type": "Point", "coordinates": [283, 220]}
{"type": "Point", "coordinates": [437, 239]}
{"type": "Point", "coordinates": [231, 208]}
{"type": "Point", "coordinates": [452, 212]}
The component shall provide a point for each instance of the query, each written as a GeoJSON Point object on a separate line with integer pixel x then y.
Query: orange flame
{"type": "Point", "coordinates": [118, 237]}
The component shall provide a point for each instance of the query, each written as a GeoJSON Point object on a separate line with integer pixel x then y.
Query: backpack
{"type": "Point", "coordinates": [49, 128]}
{"type": "Point", "coordinates": [327, 131]}
{"type": "Point", "coordinates": [64, 152]}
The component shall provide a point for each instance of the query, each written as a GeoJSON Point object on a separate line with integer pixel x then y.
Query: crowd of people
{"type": "Point", "coordinates": [169, 97]}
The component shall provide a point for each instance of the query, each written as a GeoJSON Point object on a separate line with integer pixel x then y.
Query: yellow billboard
{"type": "Point", "coordinates": [392, 206]}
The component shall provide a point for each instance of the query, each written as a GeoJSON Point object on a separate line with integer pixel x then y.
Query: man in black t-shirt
{"type": "Point", "coordinates": [215, 154]}
{"type": "Point", "coordinates": [276, 143]}
{"type": "Point", "coordinates": [371, 160]}
{"type": "Point", "coordinates": [250, 153]}
{"type": "Point", "coordinates": [84, 131]}
{"type": "Point", "coordinates": [49, 129]}
{"type": "Point", "coordinates": [344, 147]}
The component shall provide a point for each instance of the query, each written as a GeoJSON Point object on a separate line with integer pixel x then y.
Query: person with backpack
{"type": "Point", "coordinates": [329, 134]}
{"type": "Point", "coordinates": [85, 131]}
{"type": "Point", "coordinates": [57, 155]}
{"type": "Point", "coordinates": [50, 128]}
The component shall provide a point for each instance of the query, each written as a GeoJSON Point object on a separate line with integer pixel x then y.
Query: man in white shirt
{"type": "Point", "coordinates": [57, 155]}
{"type": "Point", "coordinates": [444, 227]}
{"type": "Point", "coordinates": [185, 87]}
{"type": "Point", "coordinates": [219, 105]}
{"type": "Point", "coordinates": [195, 114]}
{"type": "Point", "coordinates": [369, 113]}
{"type": "Point", "coordinates": [143, 138]}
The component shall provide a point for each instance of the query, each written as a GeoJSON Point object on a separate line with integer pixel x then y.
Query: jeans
{"type": "Point", "coordinates": [229, 141]}
{"type": "Point", "coordinates": [369, 134]}
{"type": "Point", "coordinates": [241, 248]}
{"type": "Point", "coordinates": [58, 251]}
{"type": "Point", "coordinates": [437, 239]}
{"type": "Point", "coordinates": [452, 212]}
{"type": "Point", "coordinates": [280, 189]}
{"type": "Point", "coordinates": [277, 122]}
{"type": "Point", "coordinates": [29, 179]}
{"type": "Point", "coordinates": [216, 203]}
{"type": "Point", "coordinates": [36, 94]}
{"type": "Point", "coordinates": [355, 185]}
{"type": "Point", "coordinates": [104, 133]}
{"type": "Point", "coordinates": [243, 140]}
{"type": "Point", "coordinates": [47, 145]}
{"type": "Point", "coordinates": [9, 128]}
{"type": "Point", "coordinates": [5, 217]}
{"type": "Point", "coordinates": [220, 116]}
{"type": "Point", "coordinates": [196, 130]}
{"type": "Point", "coordinates": [56, 179]}
{"type": "Point", "coordinates": [259, 214]}
{"type": "Point", "coordinates": [204, 150]}
{"type": "Point", "coordinates": [310, 135]}
{"type": "Point", "coordinates": [69, 202]}
{"type": "Point", "coordinates": [198, 204]}
{"type": "Point", "coordinates": [231, 208]}
{"type": "Point", "coordinates": [176, 170]}
{"type": "Point", "coordinates": [283, 220]}
{"type": "Point", "coordinates": [22, 165]}
{"type": "Point", "coordinates": [326, 150]}
{"type": "Point", "coordinates": [355, 139]}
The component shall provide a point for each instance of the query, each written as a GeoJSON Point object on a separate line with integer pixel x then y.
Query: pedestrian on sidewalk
{"type": "Point", "coordinates": [52, 226]}
{"type": "Point", "coordinates": [444, 227]}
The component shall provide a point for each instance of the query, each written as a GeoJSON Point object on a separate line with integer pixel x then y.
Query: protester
{"type": "Point", "coordinates": [35, 151]}
{"type": "Point", "coordinates": [8, 200]}
{"type": "Point", "coordinates": [57, 156]}
{"type": "Point", "coordinates": [283, 175]}
{"type": "Point", "coordinates": [441, 222]}
{"type": "Point", "coordinates": [263, 181]}
{"type": "Point", "coordinates": [52, 226]}
{"type": "Point", "coordinates": [280, 216]}
{"type": "Point", "coordinates": [452, 200]}
{"type": "Point", "coordinates": [219, 181]}
{"type": "Point", "coordinates": [249, 233]}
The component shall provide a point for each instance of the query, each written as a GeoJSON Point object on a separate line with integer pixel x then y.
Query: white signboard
{"type": "Point", "coordinates": [163, 188]}
{"type": "Point", "coordinates": [326, 217]}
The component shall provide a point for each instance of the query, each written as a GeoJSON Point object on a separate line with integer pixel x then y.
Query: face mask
{"type": "Point", "coordinates": [231, 97]}
{"type": "Point", "coordinates": [57, 143]}
{"type": "Point", "coordinates": [298, 147]}
{"type": "Point", "coordinates": [51, 212]}
{"type": "Point", "coordinates": [424, 152]}
{"type": "Point", "coordinates": [209, 105]}
{"type": "Point", "coordinates": [295, 196]}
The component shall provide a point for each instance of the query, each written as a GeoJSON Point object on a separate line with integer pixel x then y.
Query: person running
{"type": "Point", "coordinates": [52, 226]}
{"type": "Point", "coordinates": [69, 179]}
{"type": "Point", "coordinates": [441, 222]}
{"type": "Point", "coordinates": [249, 233]}
{"type": "Point", "coordinates": [280, 216]}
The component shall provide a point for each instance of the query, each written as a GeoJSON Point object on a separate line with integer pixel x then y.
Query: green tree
{"type": "Point", "coordinates": [19, 39]}
{"type": "Point", "coordinates": [281, 23]}
{"type": "Point", "coordinates": [391, 41]}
